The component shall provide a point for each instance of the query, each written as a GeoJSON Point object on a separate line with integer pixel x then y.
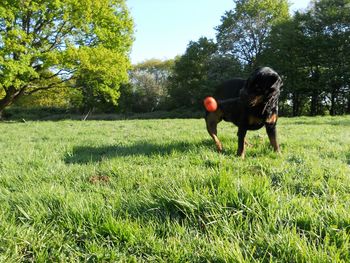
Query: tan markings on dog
{"type": "Point", "coordinates": [272, 119]}
{"type": "Point", "coordinates": [212, 121]}
{"type": "Point", "coordinates": [217, 143]}
{"type": "Point", "coordinates": [257, 100]}
{"type": "Point", "coordinates": [252, 120]}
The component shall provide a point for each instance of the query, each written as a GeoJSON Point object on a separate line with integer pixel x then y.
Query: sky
{"type": "Point", "coordinates": [164, 28]}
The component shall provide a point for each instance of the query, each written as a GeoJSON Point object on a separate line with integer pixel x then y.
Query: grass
{"type": "Point", "coordinates": [156, 190]}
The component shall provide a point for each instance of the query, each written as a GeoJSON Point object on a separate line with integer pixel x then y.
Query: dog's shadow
{"type": "Point", "coordinates": [87, 154]}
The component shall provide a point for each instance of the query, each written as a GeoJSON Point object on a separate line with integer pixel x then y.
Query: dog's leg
{"type": "Point", "coordinates": [212, 119]}
{"type": "Point", "coordinates": [272, 133]}
{"type": "Point", "coordinates": [241, 142]}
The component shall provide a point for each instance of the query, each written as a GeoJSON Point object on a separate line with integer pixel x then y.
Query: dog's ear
{"type": "Point", "coordinates": [278, 83]}
{"type": "Point", "coordinates": [251, 83]}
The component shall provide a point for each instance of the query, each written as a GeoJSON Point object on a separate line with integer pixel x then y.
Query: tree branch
{"type": "Point", "coordinates": [57, 36]}
{"type": "Point", "coordinates": [50, 86]}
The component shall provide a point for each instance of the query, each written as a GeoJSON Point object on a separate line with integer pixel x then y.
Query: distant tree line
{"type": "Point", "coordinates": [311, 51]}
{"type": "Point", "coordinates": [61, 62]}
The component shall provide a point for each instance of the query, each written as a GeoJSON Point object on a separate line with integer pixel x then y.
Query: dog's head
{"type": "Point", "coordinates": [262, 87]}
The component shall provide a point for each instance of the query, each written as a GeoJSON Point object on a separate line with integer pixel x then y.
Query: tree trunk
{"type": "Point", "coordinates": [332, 111]}
{"type": "Point", "coordinates": [296, 105]}
{"type": "Point", "coordinates": [12, 94]}
{"type": "Point", "coordinates": [315, 90]}
{"type": "Point", "coordinates": [335, 89]}
{"type": "Point", "coordinates": [314, 104]}
{"type": "Point", "coordinates": [4, 102]}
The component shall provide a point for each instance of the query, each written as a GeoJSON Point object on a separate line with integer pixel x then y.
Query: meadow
{"type": "Point", "coordinates": [157, 191]}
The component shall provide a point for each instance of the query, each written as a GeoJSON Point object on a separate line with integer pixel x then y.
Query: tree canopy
{"type": "Point", "coordinates": [312, 52]}
{"type": "Point", "coordinates": [148, 87]}
{"type": "Point", "coordinates": [309, 49]}
{"type": "Point", "coordinates": [63, 40]}
{"type": "Point", "coordinates": [244, 30]}
{"type": "Point", "coordinates": [85, 45]}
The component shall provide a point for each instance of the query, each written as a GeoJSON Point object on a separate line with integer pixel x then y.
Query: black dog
{"type": "Point", "coordinates": [249, 104]}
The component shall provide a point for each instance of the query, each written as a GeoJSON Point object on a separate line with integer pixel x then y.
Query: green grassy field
{"type": "Point", "coordinates": [156, 190]}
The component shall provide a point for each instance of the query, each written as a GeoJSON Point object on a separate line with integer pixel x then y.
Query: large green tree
{"type": "Point", "coordinates": [285, 50]}
{"type": "Point", "coordinates": [63, 40]}
{"type": "Point", "coordinates": [198, 71]}
{"type": "Point", "coordinates": [244, 30]}
{"type": "Point", "coordinates": [190, 73]}
{"type": "Point", "coordinates": [331, 18]}
{"type": "Point", "coordinates": [311, 51]}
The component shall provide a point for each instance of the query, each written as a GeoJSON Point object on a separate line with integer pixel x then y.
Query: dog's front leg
{"type": "Point", "coordinates": [212, 119]}
{"type": "Point", "coordinates": [272, 133]}
{"type": "Point", "coordinates": [241, 142]}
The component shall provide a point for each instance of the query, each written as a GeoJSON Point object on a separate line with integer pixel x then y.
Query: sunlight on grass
{"type": "Point", "coordinates": [156, 190]}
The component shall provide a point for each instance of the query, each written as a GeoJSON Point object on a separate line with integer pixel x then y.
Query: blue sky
{"type": "Point", "coordinates": [163, 28]}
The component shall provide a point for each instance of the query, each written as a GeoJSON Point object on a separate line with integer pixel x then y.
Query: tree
{"type": "Point", "coordinates": [63, 40]}
{"type": "Point", "coordinates": [243, 31]}
{"type": "Point", "coordinates": [198, 71]}
{"type": "Point", "coordinates": [315, 57]}
{"type": "Point", "coordinates": [284, 42]}
{"type": "Point", "coordinates": [332, 20]}
{"type": "Point", "coordinates": [190, 73]}
{"type": "Point", "coordinates": [222, 68]}
{"type": "Point", "coordinates": [147, 90]}
{"type": "Point", "coordinates": [63, 97]}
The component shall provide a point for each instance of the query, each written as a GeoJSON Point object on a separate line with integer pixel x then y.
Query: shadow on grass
{"type": "Point", "coordinates": [86, 154]}
{"type": "Point", "coordinates": [18, 114]}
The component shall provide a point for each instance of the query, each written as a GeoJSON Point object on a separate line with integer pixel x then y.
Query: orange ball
{"type": "Point", "coordinates": [210, 104]}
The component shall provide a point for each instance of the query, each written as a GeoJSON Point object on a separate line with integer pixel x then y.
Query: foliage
{"type": "Point", "coordinates": [222, 68]}
{"type": "Point", "coordinates": [64, 97]}
{"type": "Point", "coordinates": [244, 30]}
{"type": "Point", "coordinates": [84, 45]}
{"type": "Point", "coordinates": [147, 90]}
{"type": "Point", "coordinates": [67, 39]}
{"type": "Point", "coordinates": [316, 58]}
{"type": "Point", "coordinates": [156, 190]}
{"type": "Point", "coordinates": [288, 42]}
{"type": "Point", "coordinates": [332, 20]}
{"type": "Point", "coordinates": [197, 72]}
{"type": "Point", "coordinates": [190, 73]}
{"type": "Point", "coordinates": [59, 96]}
